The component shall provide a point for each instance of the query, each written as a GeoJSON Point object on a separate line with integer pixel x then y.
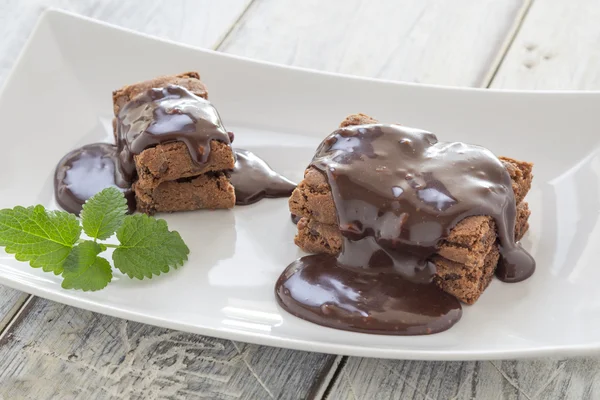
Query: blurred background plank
{"type": "Point", "coordinates": [202, 23]}
{"type": "Point", "coordinates": [557, 48]}
{"type": "Point", "coordinates": [428, 41]}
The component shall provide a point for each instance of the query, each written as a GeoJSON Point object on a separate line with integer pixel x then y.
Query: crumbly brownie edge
{"type": "Point", "coordinates": [207, 191]}
{"type": "Point", "coordinates": [171, 161]}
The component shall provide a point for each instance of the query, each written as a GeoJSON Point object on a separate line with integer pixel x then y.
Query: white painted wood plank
{"type": "Point", "coordinates": [10, 302]}
{"type": "Point", "coordinates": [200, 23]}
{"type": "Point", "coordinates": [571, 379]}
{"type": "Point", "coordinates": [53, 351]}
{"type": "Point", "coordinates": [430, 41]}
{"type": "Point", "coordinates": [558, 47]}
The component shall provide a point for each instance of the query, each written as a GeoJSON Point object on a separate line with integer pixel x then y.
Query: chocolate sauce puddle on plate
{"type": "Point", "coordinates": [398, 193]}
{"type": "Point", "coordinates": [86, 171]}
{"type": "Point", "coordinates": [157, 116]}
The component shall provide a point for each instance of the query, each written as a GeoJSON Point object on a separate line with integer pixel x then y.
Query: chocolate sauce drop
{"type": "Point", "coordinates": [86, 171]}
{"type": "Point", "coordinates": [398, 193]}
{"type": "Point", "coordinates": [254, 180]}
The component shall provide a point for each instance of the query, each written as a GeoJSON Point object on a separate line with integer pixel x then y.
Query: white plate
{"type": "Point", "coordinates": [59, 97]}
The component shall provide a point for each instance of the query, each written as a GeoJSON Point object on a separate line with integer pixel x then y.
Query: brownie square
{"type": "Point", "coordinates": [168, 179]}
{"type": "Point", "coordinates": [210, 190]}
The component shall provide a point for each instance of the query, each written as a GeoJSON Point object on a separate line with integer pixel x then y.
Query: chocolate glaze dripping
{"type": "Point", "coordinates": [154, 117]}
{"type": "Point", "coordinates": [398, 193]}
{"type": "Point", "coordinates": [163, 115]}
{"type": "Point", "coordinates": [86, 171]}
{"type": "Point", "coordinates": [254, 180]}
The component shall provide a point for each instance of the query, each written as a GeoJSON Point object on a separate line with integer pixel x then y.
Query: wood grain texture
{"type": "Point", "coordinates": [10, 302]}
{"type": "Point", "coordinates": [558, 47]}
{"type": "Point", "coordinates": [429, 41]}
{"type": "Point", "coordinates": [200, 23]}
{"type": "Point", "coordinates": [571, 379]}
{"type": "Point", "coordinates": [53, 351]}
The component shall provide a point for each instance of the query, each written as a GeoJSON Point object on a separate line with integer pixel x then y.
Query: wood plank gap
{"type": "Point", "coordinates": [16, 318]}
{"type": "Point", "coordinates": [333, 375]}
{"type": "Point", "coordinates": [226, 34]}
{"type": "Point", "coordinates": [507, 44]}
{"type": "Point", "coordinates": [8, 317]}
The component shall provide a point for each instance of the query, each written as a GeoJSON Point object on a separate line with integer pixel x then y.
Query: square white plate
{"type": "Point", "coordinates": [59, 97]}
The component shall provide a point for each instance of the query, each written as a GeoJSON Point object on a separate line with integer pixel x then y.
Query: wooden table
{"type": "Point", "coordinates": [52, 351]}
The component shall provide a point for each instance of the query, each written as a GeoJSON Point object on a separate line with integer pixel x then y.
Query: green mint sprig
{"type": "Point", "coordinates": [51, 240]}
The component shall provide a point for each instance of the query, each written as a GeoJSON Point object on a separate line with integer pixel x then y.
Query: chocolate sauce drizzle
{"type": "Point", "coordinates": [157, 116]}
{"type": "Point", "coordinates": [253, 179]}
{"type": "Point", "coordinates": [398, 193]}
{"type": "Point", "coordinates": [163, 115]}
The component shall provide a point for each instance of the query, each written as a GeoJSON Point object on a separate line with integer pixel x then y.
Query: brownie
{"type": "Point", "coordinates": [170, 161]}
{"type": "Point", "coordinates": [168, 179]}
{"type": "Point", "coordinates": [210, 190]}
{"type": "Point", "coordinates": [465, 261]}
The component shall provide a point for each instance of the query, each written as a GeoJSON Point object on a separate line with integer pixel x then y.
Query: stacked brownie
{"type": "Point", "coordinates": [168, 179]}
{"type": "Point", "coordinates": [465, 261]}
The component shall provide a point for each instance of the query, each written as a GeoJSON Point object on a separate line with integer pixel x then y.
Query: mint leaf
{"type": "Point", "coordinates": [147, 247]}
{"type": "Point", "coordinates": [44, 238]}
{"type": "Point", "coordinates": [104, 213]}
{"type": "Point", "coordinates": [84, 270]}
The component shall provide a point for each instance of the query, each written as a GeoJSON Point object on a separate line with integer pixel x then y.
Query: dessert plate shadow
{"type": "Point", "coordinates": [58, 97]}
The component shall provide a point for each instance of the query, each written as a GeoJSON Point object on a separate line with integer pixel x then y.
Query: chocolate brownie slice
{"type": "Point", "coordinates": [168, 178]}
{"type": "Point", "coordinates": [465, 262]}
{"type": "Point", "coordinates": [210, 190]}
{"type": "Point", "coordinates": [169, 161]}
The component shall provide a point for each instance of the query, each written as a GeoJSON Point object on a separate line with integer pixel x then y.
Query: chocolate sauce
{"type": "Point", "coordinates": [254, 180]}
{"type": "Point", "coordinates": [157, 116]}
{"type": "Point", "coordinates": [398, 193]}
{"type": "Point", "coordinates": [163, 115]}
{"type": "Point", "coordinates": [84, 172]}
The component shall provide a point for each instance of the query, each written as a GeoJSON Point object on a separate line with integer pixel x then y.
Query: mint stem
{"type": "Point", "coordinates": [112, 246]}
